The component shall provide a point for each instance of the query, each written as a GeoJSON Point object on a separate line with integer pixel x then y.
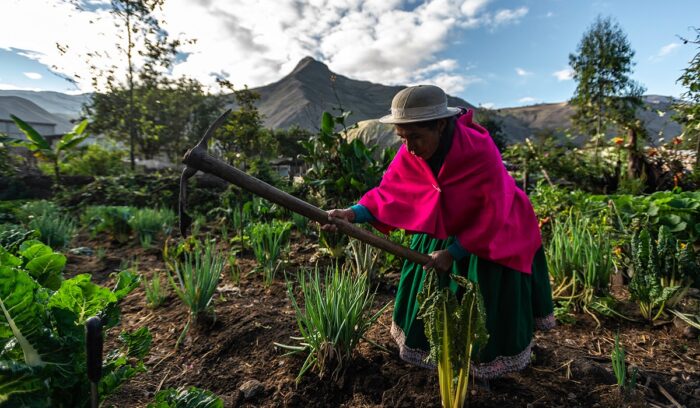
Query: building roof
{"type": "Point", "coordinates": [24, 109]}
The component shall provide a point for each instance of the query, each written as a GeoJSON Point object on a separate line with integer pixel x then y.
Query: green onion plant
{"type": "Point", "coordinates": [268, 240]}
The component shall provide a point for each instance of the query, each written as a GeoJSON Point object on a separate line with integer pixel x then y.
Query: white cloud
{"type": "Point", "coordinates": [564, 74]}
{"type": "Point", "coordinates": [665, 51]}
{"type": "Point", "coordinates": [527, 100]}
{"type": "Point", "coordinates": [549, 14]}
{"type": "Point", "coordinates": [522, 72]}
{"type": "Point", "coordinates": [255, 42]}
{"type": "Point", "coordinates": [487, 105]}
{"type": "Point", "coordinates": [32, 75]}
{"type": "Point", "coordinates": [507, 16]}
{"type": "Point", "coordinates": [11, 87]}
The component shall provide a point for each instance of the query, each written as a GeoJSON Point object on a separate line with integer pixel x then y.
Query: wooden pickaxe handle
{"type": "Point", "coordinates": [197, 158]}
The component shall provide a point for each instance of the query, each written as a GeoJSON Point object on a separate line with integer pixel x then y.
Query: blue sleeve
{"type": "Point", "coordinates": [362, 214]}
{"type": "Point", "coordinates": [457, 251]}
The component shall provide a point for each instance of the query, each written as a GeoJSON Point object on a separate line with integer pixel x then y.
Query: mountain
{"type": "Point", "coordinates": [44, 122]}
{"type": "Point", "coordinates": [311, 88]}
{"type": "Point", "coordinates": [519, 123]}
{"type": "Point", "coordinates": [300, 98]}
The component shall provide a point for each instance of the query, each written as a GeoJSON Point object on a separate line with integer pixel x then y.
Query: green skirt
{"type": "Point", "coordinates": [516, 304]}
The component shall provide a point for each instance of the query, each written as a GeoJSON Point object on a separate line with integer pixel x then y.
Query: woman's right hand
{"type": "Point", "coordinates": [346, 214]}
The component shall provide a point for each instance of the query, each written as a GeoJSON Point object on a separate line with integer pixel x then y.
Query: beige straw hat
{"type": "Point", "coordinates": [417, 104]}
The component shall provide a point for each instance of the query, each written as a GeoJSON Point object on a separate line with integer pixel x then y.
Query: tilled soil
{"type": "Point", "coordinates": [570, 364]}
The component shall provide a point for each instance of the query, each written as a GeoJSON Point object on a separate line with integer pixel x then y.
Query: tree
{"type": "Point", "coordinates": [688, 110]}
{"type": "Point", "coordinates": [605, 94]}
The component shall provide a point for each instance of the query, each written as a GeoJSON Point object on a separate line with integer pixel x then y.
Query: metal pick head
{"type": "Point", "coordinates": [212, 128]}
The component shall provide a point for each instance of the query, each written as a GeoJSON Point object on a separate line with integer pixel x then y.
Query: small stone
{"type": "Point", "coordinates": [251, 389]}
{"type": "Point", "coordinates": [81, 251]}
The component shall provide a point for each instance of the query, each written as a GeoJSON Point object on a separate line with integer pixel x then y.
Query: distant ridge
{"type": "Point", "coordinates": [300, 97]}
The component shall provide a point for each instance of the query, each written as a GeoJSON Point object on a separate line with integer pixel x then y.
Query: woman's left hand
{"type": "Point", "coordinates": [440, 260]}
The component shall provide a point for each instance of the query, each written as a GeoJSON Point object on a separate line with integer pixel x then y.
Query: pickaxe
{"type": "Point", "coordinates": [197, 159]}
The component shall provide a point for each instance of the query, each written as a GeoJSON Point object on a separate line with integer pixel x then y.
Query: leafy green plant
{"type": "Point", "coordinates": [363, 258]}
{"type": "Point", "coordinates": [43, 149]}
{"type": "Point", "coordinates": [149, 223]}
{"type": "Point", "coordinates": [12, 236]}
{"type": "Point", "coordinates": [111, 219]}
{"type": "Point", "coordinates": [31, 209]}
{"type": "Point", "coordinates": [42, 338]}
{"type": "Point", "coordinates": [663, 272]}
{"type": "Point", "coordinates": [626, 384]}
{"type": "Point", "coordinates": [454, 327]}
{"type": "Point", "coordinates": [579, 259]}
{"type": "Point", "coordinates": [55, 229]}
{"type": "Point", "coordinates": [336, 315]}
{"type": "Point", "coordinates": [96, 160]}
{"type": "Point", "coordinates": [268, 240]}
{"type": "Point", "coordinates": [182, 397]}
{"type": "Point", "coordinates": [155, 292]}
{"type": "Point", "coordinates": [37, 259]}
{"type": "Point", "coordinates": [195, 282]}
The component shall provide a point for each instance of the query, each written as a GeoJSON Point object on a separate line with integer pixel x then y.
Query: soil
{"type": "Point", "coordinates": [570, 364]}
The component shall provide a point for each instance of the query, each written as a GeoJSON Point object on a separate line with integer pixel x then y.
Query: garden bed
{"type": "Point", "coordinates": [571, 365]}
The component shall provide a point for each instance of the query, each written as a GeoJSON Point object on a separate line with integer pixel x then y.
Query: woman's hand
{"type": "Point", "coordinates": [440, 260]}
{"type": "Point", "coordinates": [345, 214]}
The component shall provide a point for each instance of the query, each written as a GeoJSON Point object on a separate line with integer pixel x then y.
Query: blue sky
{"type": "Point", "coordinates": [496, 53]}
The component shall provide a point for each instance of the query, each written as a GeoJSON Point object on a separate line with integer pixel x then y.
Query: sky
{"type": "Point", "coordinates": [492, 53]}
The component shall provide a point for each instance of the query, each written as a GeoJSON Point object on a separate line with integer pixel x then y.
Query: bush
{"type": "Point", "coordinates": [95, 161]}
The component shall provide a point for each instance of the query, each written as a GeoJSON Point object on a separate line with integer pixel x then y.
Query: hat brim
{"type": "Point", "coordinates": [389, 119]}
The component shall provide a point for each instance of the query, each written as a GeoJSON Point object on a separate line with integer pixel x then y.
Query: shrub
{"type": "Point", "coordinates": [96, 160]}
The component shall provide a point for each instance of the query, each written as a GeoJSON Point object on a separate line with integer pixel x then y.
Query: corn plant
{"type": "Point", "coordinates": [149, 223]}
{"type": "Point", "coordinates": [363, 258]}
{"type": "Point", "coordinates": [155, 292]}
{"type": "Point", "coordinates": [454, 328]}
{"type": "Point", "coordinates": [268, 240]}
{"type": "Point", "coordinates": [55, 230]}
{"type": "Point", "coordinates": [663, 272]}
{"type": "Point", "coordinates": [195, 282]}
{"type": "Point", "coordinates": [617, 356]}
{"type": "Point", "coordinates": [336, 315]}
{"type": "Point", "coordinates": [580, 259]}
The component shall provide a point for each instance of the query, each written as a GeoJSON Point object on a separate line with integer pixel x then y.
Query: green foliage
{"type": "Point", "coordinates": [149, 223]}
{"type": "Point", "coordinates": [579, 258]}
{"type": "Point", "coordinates": [663, 272]}
{"type": "Point", "coordinates": [688, 110]}
{"type": "Point", "coordinates": [94, 161]}
{"type": "Point", "coordinates": [601, 67]}
{"type": "Point", "coordinates": [42, 149]}
{"type": "Point", "coordinates": [43, 264]}
{"type": "Point", "coordinates": [454, 327]}
{"type": "Point", "coordinates": [43, 341]}
{"type": "Point", "coordinates": [182, 397]}
{"type": "Point", "coordinates": [363, 258]}
{"type": "Point", "coordinates": [12, 236]}
{"type": "Point", "coordinates": [340, 171]}
{"type": "Point", "coordinates": [31, 209]}
{"type": "Point", "coordinates": [196, 280]}
{"type": "Point", "coordinates": [490, 121]}
{"type": "Point", "coordinates": [155, 292]}
{"type": "Point", "coordinates": [114, 220]}
{"type": "Point", "coordinates": [268, 241]}
{"type": "Point", "coordinates": [626, 384]}
{"type": "Point", "coordinates": [55, 229]}
{"type": "Point", "coordinates": [336, 315]}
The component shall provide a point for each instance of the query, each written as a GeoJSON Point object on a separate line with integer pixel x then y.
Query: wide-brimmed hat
{"type": "Point", "coordinates": [418, 104]}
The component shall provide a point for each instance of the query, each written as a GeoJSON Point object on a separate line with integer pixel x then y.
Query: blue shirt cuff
{"type": "Point", "coordinates": [457, 251]}
{"type": "Point", "coordinates": [362, 214]}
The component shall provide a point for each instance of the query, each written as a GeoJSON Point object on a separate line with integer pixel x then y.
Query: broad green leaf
{"type": "Point", "coordinates": [127, 281]}
{"type": "Point", "coordinates": [7, 259]}
{"type": "Point", "coordinates": [31, 133]}
{"type": "Point", "coordinates": [327, 123]}
{"type": "Point", "coordinates": [34, 249]}
{"type": "Point", "coordinates": [77, 300]}
{"type": "Point", "coordinates": [21, 386]}
{"type": "Point", "coordinates": [47, 269]}
{"type": "Point", "coordinates": [22, 310]}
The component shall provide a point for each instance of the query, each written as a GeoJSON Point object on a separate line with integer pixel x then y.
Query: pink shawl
{"type": "Point", "coordinates": [473, 198]}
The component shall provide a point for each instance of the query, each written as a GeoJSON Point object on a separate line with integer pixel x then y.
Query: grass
{"type": "Point", "coordinates": [195, 282]}
{"type": "Point", "coordinates": [55, 230]}
{"type": "Point", "coordinates": [335, 317]}
{"type": "Point", "coordinates": [155, 292]}
{"type": "Point", "coordinates": [148, 223]}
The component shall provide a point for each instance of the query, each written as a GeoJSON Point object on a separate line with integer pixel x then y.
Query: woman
{"type": "Point", "coordinates": [448, 186]}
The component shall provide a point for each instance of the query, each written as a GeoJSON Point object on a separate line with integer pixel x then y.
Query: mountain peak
{"type": "Point", "coordinates": [309, 64]}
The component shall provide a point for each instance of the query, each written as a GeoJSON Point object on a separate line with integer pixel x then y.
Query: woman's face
{"type": "Point", "coordinates": [420, 141]}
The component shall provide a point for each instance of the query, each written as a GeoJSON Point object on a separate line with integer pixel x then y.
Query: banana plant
{"type": "Point", "coordinates": [44, 150]}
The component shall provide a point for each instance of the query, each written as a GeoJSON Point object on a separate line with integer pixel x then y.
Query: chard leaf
{"type": "Point", "coordinates": [126, 282]}
{"type": "Point", "coordinates": [23, 312]}
{"type": "Point", "coordinates": [34, 249]}
{"type": "Point", "coordinates": [7, 259]}
{"type": "Point", "coordinates": [77, 300]}
{"type": "Point", "coordinates": [47, 269]}
{"type": "Point", "coordinates": [20, 386]}
{"type": "Point", "coordinates": [126, 362]}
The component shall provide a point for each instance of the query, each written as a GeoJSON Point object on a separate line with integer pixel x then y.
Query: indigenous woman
{"type": "Point", "coordinates": [448, 186]}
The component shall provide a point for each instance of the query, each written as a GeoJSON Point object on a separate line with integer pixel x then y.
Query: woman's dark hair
{"type": "Point", "coordinates": [429, 124]}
